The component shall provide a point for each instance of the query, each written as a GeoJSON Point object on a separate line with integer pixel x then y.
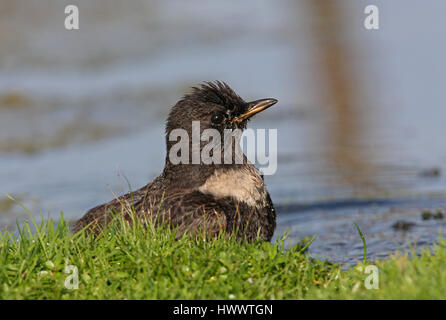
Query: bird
{"type": "Point", "coordinates": [201, 198]}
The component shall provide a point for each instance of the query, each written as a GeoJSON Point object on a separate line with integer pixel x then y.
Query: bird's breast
{"type": "Point", "coordinates": [243, 183]}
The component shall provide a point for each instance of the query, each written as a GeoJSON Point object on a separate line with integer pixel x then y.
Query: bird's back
{"type": "Point", "coordinates": [131, 203]}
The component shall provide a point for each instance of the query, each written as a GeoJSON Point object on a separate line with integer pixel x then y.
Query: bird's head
{"type": "Point", "coordinates": [214, 106]}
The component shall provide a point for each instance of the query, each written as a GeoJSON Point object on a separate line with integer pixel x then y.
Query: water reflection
{"type": "Point", "coordinates": [339, 84]}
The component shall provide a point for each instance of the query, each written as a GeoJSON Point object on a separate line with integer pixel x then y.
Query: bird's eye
{"type": "Point", "coordinates": [217, 118]}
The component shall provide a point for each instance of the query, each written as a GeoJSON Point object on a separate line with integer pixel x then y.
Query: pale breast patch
{"type": "Point", "coordinates": [244, 184]}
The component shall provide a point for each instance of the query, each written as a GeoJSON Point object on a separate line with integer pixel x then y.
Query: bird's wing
{"type": "Point", "coordinates": [196, 213]}
{"type": "Point", "coordinates": [192, 212]}
{"type": "Point", "coordinates": [98, 217]}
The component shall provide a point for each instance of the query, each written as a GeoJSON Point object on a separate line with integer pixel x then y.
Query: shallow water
{"type": "Point", "coordinates": [81, 111]}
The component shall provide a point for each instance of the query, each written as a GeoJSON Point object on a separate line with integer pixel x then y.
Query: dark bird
{"type": "Point", "coordinates": [197, 197]}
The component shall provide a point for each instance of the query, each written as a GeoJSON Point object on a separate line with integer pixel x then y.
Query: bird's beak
{"type": "Point", "coordinates": [254, 107]}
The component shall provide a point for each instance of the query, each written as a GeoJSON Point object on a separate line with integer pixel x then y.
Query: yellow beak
{"type": "Point", "coordinates": [255, 107]}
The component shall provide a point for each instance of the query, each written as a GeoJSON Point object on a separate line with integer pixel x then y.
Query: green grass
{"type": "Point", "coordinates": [148, 263]}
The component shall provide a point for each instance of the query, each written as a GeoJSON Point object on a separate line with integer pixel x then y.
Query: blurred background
{"type": "Point", "coordinates": [360, 118]}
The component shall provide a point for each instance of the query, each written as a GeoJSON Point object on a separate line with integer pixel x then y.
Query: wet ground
{"type": "Point", "coordinates": [81, 111]}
